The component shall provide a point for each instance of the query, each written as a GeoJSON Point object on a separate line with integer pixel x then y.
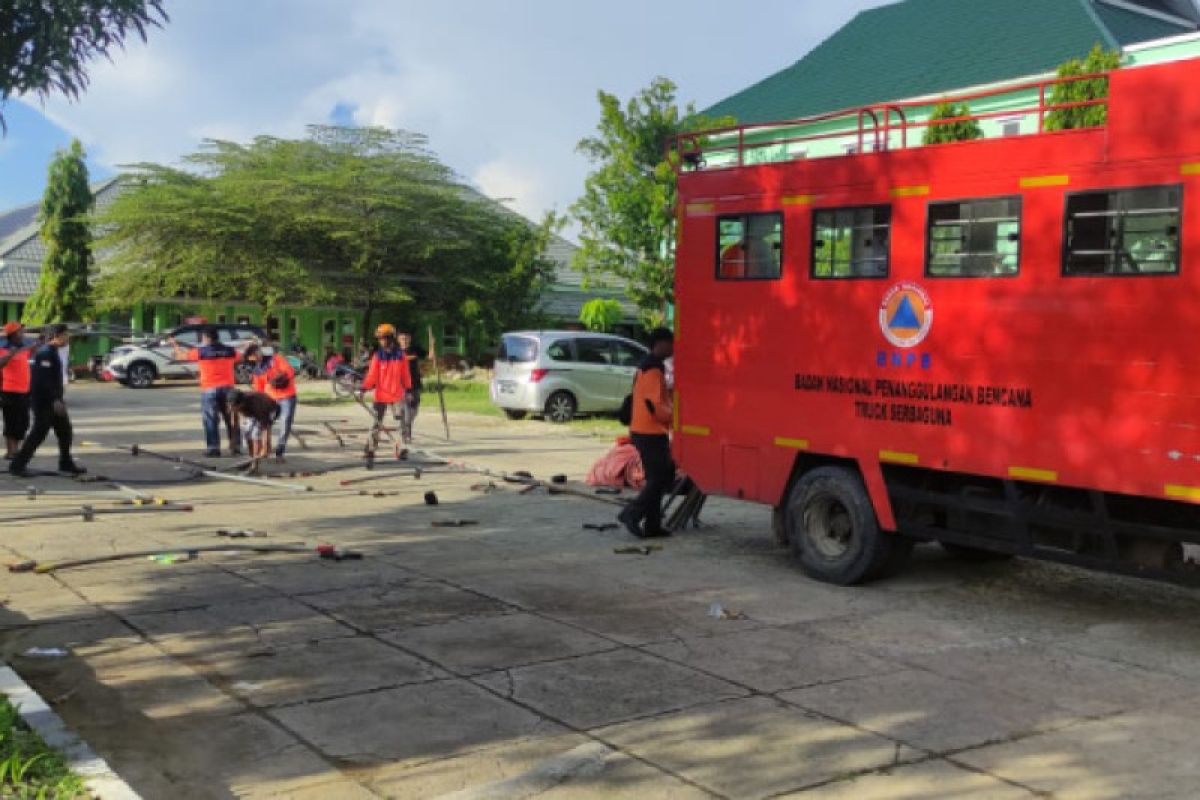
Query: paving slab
{"type": "Point", "coordinates": [930, 779]}
{"type": "Point", "coordinates": [412, 724]}
{"type": "Point", "coordinates": [419, 602]}
{"type": "Point", "coordinates": [773, 659]}
{"type": "Point", "coordinates": [310, 576]}
{"type": "Point", "coordinates": [586, 771]}
{"type": "Point", "coordinates": [314, 670]}
{"type": "Point", "coordinates": [1162, 646]}
{"type": "Point", "coordinates": [250, 624]}
{"type": "Point", "coordinates": [178, 759]}
{"type": "Point", "coordinates": [484, 644]}
{"type": "Point", "coordinates": [471, 769]}
{"type": "Point", "coordinates": [158, 686]}
{"type": "Point", "coordinates": [1080, 683]}
{"type": "Point", "coordinates": [600, 689]}
{"type": "Point", "coordinates": [188, 589]}
{"type": "Point", "coordinates": [1137, 755]}
{"type": "Point", "coordinates": [755, 747]}
{"type": "Point", "coordinates": [929, 711]}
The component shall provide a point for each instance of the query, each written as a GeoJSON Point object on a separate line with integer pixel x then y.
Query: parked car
{"type": "Point", "coordinates": [138, 365]}
{"type": "Point", "coordinates": [560, 374]}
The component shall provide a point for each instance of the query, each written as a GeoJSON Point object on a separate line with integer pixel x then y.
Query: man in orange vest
{"type": "Point", "coordinates": [274, 377]}
{"type": "Point", "coordinates": [14, 387]}
{"type": "Point", "coordinates": [216, 362]}
{"type": "Point", "coordinates": [650, 433]}
{"type": "Point", "coordinates": [388, 377]}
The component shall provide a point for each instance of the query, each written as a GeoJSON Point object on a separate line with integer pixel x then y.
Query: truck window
{"type": "Point", "coordinates": [974, 238]}
{"type": "Point", "coordinates": [750, 247]}
{"type": "Point", "coordinates": [1123, 232]}
{"type": "Point", "coordinates": [851, 242]}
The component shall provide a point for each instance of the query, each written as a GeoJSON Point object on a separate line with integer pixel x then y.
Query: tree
{"type": "Point", "coordinates": [1097, 61]}
{"type": "Point", "coordinates": [44, 46]}
{"type": "Point", "coordinates": [627, 211]}
{"type": "Point", "coordinates": [62, 291]}
{"type": "Point", "coordinates": [601, 314]}
{"type": "Point", "coordinates": [357, 217]}
{"type": "Point", "coordinates": [963, 130]}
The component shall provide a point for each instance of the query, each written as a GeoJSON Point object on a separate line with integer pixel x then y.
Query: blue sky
{"type": "Point", "coordinates": [504, 90]}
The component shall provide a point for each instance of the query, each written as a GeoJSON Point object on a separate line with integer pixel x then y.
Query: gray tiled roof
{"type": "Point", "coordinates": [18, 281]}
{"type": "Point", "coordinates": [16, 219]}
{"type": "Point", "coordinates": [565, 296]}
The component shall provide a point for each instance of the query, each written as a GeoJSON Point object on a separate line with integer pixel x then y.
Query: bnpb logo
{"type": "Point", "coordinates": [906, 314]}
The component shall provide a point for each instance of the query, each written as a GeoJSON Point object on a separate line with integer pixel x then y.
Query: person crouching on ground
{"type": "Point", "coordinates": [274, 377]}
{"type": "Point", "coordinates": [14, 386]}
{"type": "Point", "coordinates": [216, 362]}
{"type": "Point", "coordinates": [649, 431]}
{"type": "Point", "coordinates": [254, 413]}
{"type": "Point", "coordinates": [49, 408]}
{"type": "Point", "coordinates": [388, 377]}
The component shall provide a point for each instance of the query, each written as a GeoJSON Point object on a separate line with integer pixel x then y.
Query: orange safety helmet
{"type": "Point", "coordinates": [385, 329]}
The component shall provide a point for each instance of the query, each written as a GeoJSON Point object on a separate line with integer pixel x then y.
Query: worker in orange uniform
{"type": "Point", "coordinates": [388, 377]}
{"type": "Point", "coordinates": [649, 431]}
{"type": "Point", "coordinates": [14, 386]}
{"type": "Point", "coordinates": [273, 376]}
{"type": "Point", "coordinates": [216, 362]}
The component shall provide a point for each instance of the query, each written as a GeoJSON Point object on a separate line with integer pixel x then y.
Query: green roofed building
{"type": "Point", "coordinates": [916, 50]}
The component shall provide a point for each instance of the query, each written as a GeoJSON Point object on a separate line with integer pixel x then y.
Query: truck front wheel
{"type": "Point", "coordinates": [833, 532]}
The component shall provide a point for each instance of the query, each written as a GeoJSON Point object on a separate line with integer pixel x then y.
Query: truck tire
{"type": "Point", "coordinates": [833, 532]}
{"type": "Point", "coordinates": [140, 375]}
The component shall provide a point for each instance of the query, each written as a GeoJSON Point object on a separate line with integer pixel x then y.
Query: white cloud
{"type": "Point", "coordinates": [525, 191]}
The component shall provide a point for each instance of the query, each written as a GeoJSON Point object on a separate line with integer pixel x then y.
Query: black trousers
{"type": "Point", "coordinates": [44, 421]}
{"type": "Point", "coordinates": [655, 452]}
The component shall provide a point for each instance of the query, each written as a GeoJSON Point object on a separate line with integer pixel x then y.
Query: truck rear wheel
{"type": "Point", "coordinates": [833, 532]}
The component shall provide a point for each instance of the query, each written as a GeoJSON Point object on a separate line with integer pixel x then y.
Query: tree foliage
{"type": "Point", "coordinates": [357, 217]}
{"type": "Point", "coordinates": [45, 46]}
{"type": "Point", "coordinates": [627, 211]}
{"type": "Point", "coordinates": [62, 291]}
{"type": "Point", "coordinates": [963, 130]}
{"type": "Point", "coordinates": [601, 314]}
{"type": "Point", "coordinates": [1097, 61]}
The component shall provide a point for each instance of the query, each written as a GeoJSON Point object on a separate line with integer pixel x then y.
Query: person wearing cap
{"type": "Point", "coordinates": [388, 377]}
{"type": "Point", "coordinates": [273, 376]}
{"type": "Point", "coordinates": [216, 362]}
{"type": "Point", "coordinates": [49, 408]}
{"type": "Point", "coordinates": [14, 386]}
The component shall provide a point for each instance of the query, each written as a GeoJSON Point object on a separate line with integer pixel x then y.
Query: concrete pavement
{"type": "Point", "coordinates": [521, 657]}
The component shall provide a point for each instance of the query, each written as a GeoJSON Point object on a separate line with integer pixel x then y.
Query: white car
{"type": "Point", "coordinates": [560, 374]}
{"type": "Point", "coordinates": [139, 365]}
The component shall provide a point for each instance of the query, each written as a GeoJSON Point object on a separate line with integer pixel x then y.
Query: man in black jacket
{"type": "Point", "coordinates": [49, 409]}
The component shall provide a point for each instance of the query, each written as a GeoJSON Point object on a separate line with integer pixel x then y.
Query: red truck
{"type": "Point", "coordinates": [985, 343]}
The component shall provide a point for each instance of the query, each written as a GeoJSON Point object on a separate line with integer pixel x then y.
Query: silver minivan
{"type": "Point", "coordinates": [563, 373]}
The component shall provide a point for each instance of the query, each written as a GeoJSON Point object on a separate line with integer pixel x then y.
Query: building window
{"type": "Point", "coordinates": [450, 338]}
{"type": "Point", "coordinates": [1123, 232]}
{"type": "Point", "coordinates": [1010, 127]}
{"type": "Point", "coordinates": [974, 238]}
{"type": "Point", "coordinates": [850, 149]}
{"type": "Point", "coordinates": [294, 328]}
{"type": "Point", "coordinates": [273, 328]}
{"type": "Point", "coordinates": [243, 319]}
{"type": "Point", "coordinates": [750, 247]}
{"type": "Point", "coordinates": [221, 319]}
{"type": "Point", "coordinates": [851, 242]}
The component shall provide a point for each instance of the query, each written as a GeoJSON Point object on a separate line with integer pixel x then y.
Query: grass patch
{"type": "Point", "coordinates": [462, 397]}
{"type": "Point", "coordinates": [28, 768]}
